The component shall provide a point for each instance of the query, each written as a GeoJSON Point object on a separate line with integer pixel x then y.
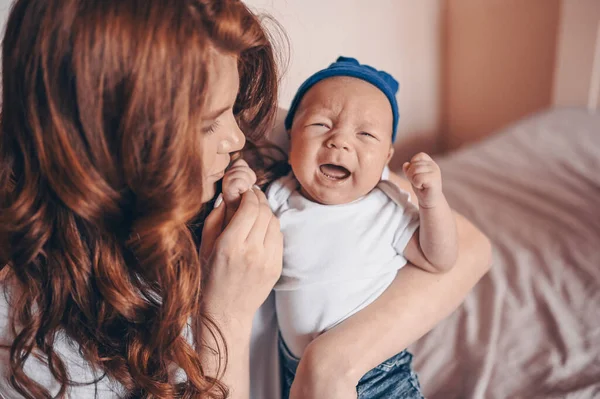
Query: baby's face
{"type": "Point", "coordinates": [341, 139]}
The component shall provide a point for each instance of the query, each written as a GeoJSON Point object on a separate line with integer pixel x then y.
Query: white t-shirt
{"type": "Point", "coordinates": [337, 259]}
{"type": "Point", "coordinates": [264, 361]}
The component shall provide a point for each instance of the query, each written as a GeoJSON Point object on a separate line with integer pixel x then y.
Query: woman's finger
{"type": "Point", "coordinates": [261, 224]}
{"type": "Point", "coordinates": [213, 227]}
{"type": "Point", "coordinates": [242, 221]}
{"type": "Point", "coordinates": [274, 238]}
{"type": "Point", "coordinates": [273, 247]}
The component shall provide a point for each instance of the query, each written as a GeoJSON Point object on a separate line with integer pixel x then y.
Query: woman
{"type": "Point", "coordinates": [118, 119]}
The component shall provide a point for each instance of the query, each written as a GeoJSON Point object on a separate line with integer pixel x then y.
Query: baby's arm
{"type": "Point", "coordinates": [435, 247]}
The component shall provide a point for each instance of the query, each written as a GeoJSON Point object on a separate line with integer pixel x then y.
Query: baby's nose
{"type": "Point", "coordinates": [338, 141]}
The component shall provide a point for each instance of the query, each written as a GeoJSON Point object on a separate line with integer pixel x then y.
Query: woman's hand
{"type": "Point", "coordinates": [244, 260]}
{"type": "Point", "coordinates": [318, 376]}
{"type": "Point", "coordinates": [244, 257]}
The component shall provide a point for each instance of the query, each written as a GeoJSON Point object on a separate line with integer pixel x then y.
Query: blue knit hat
{"type": "Point", "coordinates": [345, 66]}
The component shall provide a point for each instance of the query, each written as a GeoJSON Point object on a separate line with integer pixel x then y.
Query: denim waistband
{"type": "Point", "coordinates": [287, 357]}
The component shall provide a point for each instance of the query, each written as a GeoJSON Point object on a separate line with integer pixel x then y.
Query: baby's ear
{"type": "Point", "coordinates": [391, 154]}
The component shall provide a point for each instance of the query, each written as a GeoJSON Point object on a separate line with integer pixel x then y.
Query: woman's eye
{"type": "Point", "coordinates": [212, 127]}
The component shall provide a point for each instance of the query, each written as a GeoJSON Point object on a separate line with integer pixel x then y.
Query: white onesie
{"type": "Point", "coordinates": [337, 259]}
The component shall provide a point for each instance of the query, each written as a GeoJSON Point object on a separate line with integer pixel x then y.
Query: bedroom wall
{"type": "Point", "coordinates": [576, 39]}
{"type": "Point", "coordinates": [498, 64]}
{"type": "Point", "coordinates": [399, 36]}
{"type": "Point", "coordinates": [465, 67]}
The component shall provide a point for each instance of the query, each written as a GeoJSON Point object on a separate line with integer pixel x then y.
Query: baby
{"type": "Point", "coordinates": [346, 229]}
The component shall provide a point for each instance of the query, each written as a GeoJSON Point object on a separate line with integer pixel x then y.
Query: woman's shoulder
{"type": "Point", "coordinates": [9, 289]}
{"type": "Point", "coordinates": [6, 289]}
{"type": "Point", "coordinates": [79, 370]}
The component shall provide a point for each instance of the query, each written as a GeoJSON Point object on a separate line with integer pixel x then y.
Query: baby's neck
{"type": "Point", "coordinates": [306, 195]}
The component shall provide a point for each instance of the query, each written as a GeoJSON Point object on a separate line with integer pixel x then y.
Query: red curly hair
{"type": "Point", "coordinates": [99, 181]}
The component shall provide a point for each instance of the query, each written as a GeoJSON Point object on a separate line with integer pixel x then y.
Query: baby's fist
{"type": "Point", "coordinates": [238, 179]}
{"type": "Point", "coordinates": [426, 178]}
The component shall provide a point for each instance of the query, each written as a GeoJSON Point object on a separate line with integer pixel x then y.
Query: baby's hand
{"type": "Point", "coordinates": [238, 179]}
{"type": "Point", "coordinates": [426, 178]}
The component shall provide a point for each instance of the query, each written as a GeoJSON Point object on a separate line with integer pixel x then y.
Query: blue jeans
{"type": "Point", "coordinates": [393, 378]}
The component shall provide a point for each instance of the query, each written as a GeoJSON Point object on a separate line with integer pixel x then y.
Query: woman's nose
{"type": "Point", "coordinates": [234, 141]}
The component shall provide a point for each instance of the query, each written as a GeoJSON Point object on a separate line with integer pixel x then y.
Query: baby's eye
{"type": "Point", "coordinates": [319, 124]}
{"type": "Point", "coordinates": [367, 134]}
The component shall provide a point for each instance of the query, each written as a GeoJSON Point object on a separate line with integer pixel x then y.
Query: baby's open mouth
{"type": "Point", "coordinates": [334, 172]}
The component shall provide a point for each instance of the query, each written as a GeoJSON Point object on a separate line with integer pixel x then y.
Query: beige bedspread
{"type": "Point", "coordinates": [531, 327]}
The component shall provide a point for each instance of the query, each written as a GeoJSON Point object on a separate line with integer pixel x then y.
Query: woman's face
{"type": "Point", "coordinates": [220, 133]}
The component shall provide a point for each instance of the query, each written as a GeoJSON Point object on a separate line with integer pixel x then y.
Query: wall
{"type": "Point", "coordinates": [576, 39]}
{"type": "Point", "coordinates": [399, 36]}
{"type": "Point", "coordinates": [499, 63]}
{"type": "Point", "coordinates": [465, 67]}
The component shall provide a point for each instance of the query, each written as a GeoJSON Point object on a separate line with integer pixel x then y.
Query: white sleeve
{"type": "Point", "coordinates": [407, 214]}
{"type": "Point", "coordinates": [279, 191]}
{"type": "Point", "coordinates": [407, 228]}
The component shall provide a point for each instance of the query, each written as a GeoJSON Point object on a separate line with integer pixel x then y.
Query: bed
{"type": "Point", "coordinates": [531, 327]}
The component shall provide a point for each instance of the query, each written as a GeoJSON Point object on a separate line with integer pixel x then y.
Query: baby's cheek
{"type": "Point", "coordinates": [301, 162]}
{"type": "Point", "coordinates": [366, 181]}
{"type": "Point", "coordinates": [372, 163]}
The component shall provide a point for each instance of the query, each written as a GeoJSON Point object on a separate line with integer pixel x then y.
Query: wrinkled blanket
{"type": "Point", "coordinates": [531, 327]}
